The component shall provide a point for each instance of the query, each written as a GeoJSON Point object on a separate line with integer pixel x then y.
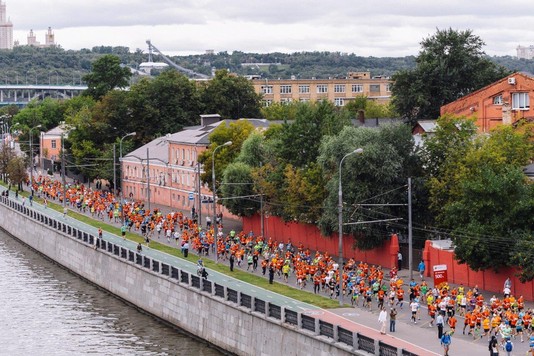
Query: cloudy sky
{"type": "Point", "coordinates": [366, 28]}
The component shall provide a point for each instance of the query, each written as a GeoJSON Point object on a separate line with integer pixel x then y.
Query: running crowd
{"type": "Point", "coordinates": [503, 318]}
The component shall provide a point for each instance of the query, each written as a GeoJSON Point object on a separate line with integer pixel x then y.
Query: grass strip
{"type": "Point", "coordinates": [280, 288]}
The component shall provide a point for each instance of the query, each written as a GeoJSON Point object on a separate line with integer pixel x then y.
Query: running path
{"type": "Point", "coordinates": [233, 283]}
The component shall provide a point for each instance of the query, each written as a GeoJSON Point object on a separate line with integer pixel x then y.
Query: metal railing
{"type": "Point", "coordinates": [303, 322]}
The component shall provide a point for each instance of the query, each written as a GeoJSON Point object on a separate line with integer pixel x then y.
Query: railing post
{"type": "Point", "coordinates": [317, 326]}
{"type": "Point", "coordinates": [299, 320]}
{"type": "Point", "coordinates": [377, 347]}
{"type": "Point", "coordinates": [335, 333]}
{"type": "Point", "coordinates": [355, 340]}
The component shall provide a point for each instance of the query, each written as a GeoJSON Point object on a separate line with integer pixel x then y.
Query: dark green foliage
{"type": "Point", "coordinates": [451, 64]}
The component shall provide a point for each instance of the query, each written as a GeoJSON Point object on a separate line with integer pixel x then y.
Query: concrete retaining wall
{"type": "Point", "coordinates": [223, 323]}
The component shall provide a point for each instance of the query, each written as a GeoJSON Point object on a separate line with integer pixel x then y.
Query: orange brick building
{"type": "Point", "coordinates": [502, 102]}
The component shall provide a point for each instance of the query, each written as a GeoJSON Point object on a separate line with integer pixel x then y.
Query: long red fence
{"type": "Point", "coordinates": [386, 256]}
{"type": "Point", "coordinates": [486, 280]}
{"type": "Point", "coordinates": [310, 236]}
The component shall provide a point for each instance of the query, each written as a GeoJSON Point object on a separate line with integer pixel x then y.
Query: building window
{"type": "Point", "coordinates": [267, 89]}
{"type": "Point", "coordinates": [339, 88]}
{"type": "Point", "coordinates": [267, 103]}
{"type": "Point", "coordinates": [54, 144]}
{"type": "Point", "coordinates": [304, 100]}
{"type": "Point", "coordinates": [339, 102]}
{"type": "Point", "coordinates": [322, 88]}
{"type": "Point", "coordinates": [285, 89]}
{"type": "Point", "coordinates": [388, 88]}
{"type": "Point", "coordinates": [304, 89]}
{"type": "Point", "coordinates": [357, 88]}
{"type": "Point", "coordinates": [285, 101]}
{"type": "Point", "coordinates": [374, 88]}
{"type": "Point", "coordinates": [497, 100]}
{"type": "Point", "coordinates": [520, 101]}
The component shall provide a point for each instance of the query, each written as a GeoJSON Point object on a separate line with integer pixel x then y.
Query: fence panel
{"type": "Point", "coordinates": [366, 343]}
{"type": "Point", "coordinates": [308, 323]}
{"type": "Point", "coordinates": [326, 329]}
{"type": "Point", "coordinates": [386, 350]}
{"type": "Point", "coordinates": [275, 311]}
{"type": "Point", "coordinates": [345, 336]}
{"type": "Point", "coordinates": [246, 301]}
{"type": "Point", "coordinates": [291, 317]}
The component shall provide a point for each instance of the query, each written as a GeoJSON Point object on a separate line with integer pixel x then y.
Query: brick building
{"type": "Point", "coordinates": [337, 90]}
{"type": "Point", "coordinates": [502, 102]}
{"type": "Point", "coordinates": [173, 174]}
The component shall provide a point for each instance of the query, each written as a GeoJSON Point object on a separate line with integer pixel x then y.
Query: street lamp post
{"type": "Point", "coordinates": [214, 221]}
{"type": "Point", "coordinates": [340, 227]}
{"type": "Point", "coordinates": [31, 158]}
{"type": "Point", "coordinates": [120, 171]}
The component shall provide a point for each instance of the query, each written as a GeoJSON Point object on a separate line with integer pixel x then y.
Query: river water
{"type": "Point", "coordinates": [46, 310]}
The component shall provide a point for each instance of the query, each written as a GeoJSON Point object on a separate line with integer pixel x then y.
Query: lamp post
{"type": "Point", "coordinates": [120, 170]}
{"type": "Point", "coordinates": [340, 227]}
{"type": "Point", "coordinates": [216, 229]}
{"type": "Point", "coordinates": [31, 158]}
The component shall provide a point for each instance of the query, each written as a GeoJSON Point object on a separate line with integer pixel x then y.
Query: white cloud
{"type": "Point", "coordinates": [368, 28]}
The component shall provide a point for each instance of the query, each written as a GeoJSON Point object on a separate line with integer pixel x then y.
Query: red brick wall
{"type": "Point", "coordinates": [462, 274]}
{"type": "Point", "coordinates": [311, 238]}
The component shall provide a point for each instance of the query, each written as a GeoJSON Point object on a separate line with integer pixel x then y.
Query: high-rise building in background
{"type": "Point", "coordinates": [49, 39]}
{"type": "Point", "coordinates": [6, 29]}
{"type": "Point", "coordinates": [525, 52]}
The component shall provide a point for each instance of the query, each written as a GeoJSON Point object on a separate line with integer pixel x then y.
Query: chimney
{"type": "Point", "coordinates": [209, 119]}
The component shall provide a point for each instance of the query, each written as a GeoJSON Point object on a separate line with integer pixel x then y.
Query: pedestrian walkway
{"type": "Point", "coordinates": [350, 318]}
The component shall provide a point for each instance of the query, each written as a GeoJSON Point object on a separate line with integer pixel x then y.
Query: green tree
{"type": "Point", "coordinates": [238, 178]}
{"type": "Point", "coordinates": [484, 198]}
{"type": "Point", "coordinates": [106, 74]}
{"type": "Point", "coordinates": [6, 155]}
{"type": "Point", "coordinates": [377, 176]}
{"type": "Point", "coordinates": [169, 102]}
{"type": "Point", "coordinates": [237, 182]}
{"type": "Point", "coordinates": [230, 96]}
{"type": "Point", "coordinates": [16, 169]}
{"type": "Point", "coordinates": [369, 108]}
{"type": "Point", "coordinates": [236, 132]}
{"type": "Point", "coordinates": [282, 111]}
{"type": "Point", "coordinates": [451, 64]}
{"type": "Point", "coordinates": [298, 141]}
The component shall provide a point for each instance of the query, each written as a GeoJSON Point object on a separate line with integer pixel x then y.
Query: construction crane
{"type": "Point", "coordinates": [189, 72]}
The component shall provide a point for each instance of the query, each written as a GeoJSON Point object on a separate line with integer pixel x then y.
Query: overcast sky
{"type": "Point", "coordinates": [387, 28]}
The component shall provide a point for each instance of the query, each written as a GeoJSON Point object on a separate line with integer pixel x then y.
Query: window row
{"type": "Point", "coordinates": [323, 88]}
{"type": "Point", "coordinates": [520, 101]}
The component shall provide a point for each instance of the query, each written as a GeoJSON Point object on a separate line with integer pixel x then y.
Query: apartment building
{"type": "Point", "coordinates": [6, 28]}
{"type": "Point", "coordinates": [339, 91]}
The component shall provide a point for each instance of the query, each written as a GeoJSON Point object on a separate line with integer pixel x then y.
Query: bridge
{"type": "Point", "coordinates": [22, 94]}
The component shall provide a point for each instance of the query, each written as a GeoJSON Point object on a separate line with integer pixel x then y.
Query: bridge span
{"type": "Point", "coordinates": [22, 94]}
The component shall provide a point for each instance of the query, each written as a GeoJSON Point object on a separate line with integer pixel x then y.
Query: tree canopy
{"type": "Point", "coordinates": [451, 64]}
{"type": "Point", "coordinates": [106, 75]}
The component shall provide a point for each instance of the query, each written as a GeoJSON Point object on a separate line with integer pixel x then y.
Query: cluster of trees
{"type": "Point", "coordinates": [28, 64]}
{"type": "Point", "coordinates": [152, 107]}
{"type": "Point", "coordinates": [465, 186]}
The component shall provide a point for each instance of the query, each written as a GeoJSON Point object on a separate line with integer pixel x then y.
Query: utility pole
{"type": "Point", "coordinates": [410, 247]}
{"type": "Point", "coordinates": [63, 171]}
{"type": "Point", "coordinates": [114, 172]}
{"type": "Point", "coordinates": [148, 176]}
{"type": "Point", "coordinates": [199, 198]}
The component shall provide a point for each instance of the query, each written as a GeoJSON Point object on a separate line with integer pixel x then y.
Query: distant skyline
{"type": "Point", "coordinates": [389, 28]}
